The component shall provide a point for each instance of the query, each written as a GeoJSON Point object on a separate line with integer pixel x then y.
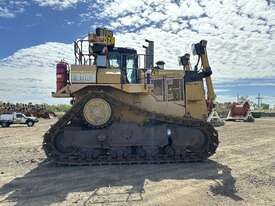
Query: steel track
{"type": "Point", "coordinates": [77, 158]}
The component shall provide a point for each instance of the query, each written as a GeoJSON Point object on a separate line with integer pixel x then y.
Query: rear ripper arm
{"type": "Point", "coordinates": [200, 50]}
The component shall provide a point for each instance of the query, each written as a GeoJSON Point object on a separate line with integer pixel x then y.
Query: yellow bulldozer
{"type": "Point", "coordinates": [126, 110]}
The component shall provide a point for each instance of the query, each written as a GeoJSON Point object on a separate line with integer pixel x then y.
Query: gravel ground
{"type": "Point", "coordinates": [241, 173]}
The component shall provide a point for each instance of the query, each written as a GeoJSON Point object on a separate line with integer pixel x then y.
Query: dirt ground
{"type": "Point", "coordinates": [241, 173]}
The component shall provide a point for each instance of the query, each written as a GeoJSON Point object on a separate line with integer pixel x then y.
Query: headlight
{"type": "Point", "coordinates": [169, 132]}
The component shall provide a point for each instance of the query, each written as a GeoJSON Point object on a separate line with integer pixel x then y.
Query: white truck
{"type": "Point", "coordinates": [17, 118]}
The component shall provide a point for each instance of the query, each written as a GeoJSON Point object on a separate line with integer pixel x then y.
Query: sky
{"type": "Point", "coordinates": [35, 34]}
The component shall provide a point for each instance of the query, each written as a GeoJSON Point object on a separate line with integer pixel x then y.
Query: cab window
{"type": "Point", "coordinates": [19, 115]}
{"type": "Point", "coordinates": [114, 61]}
{"type": "Point", "coordinates": [130, 70]}
{"type": "Point", "coordinates": [130, 63]}
{"type": "Point", "coordinates": [101, 61]}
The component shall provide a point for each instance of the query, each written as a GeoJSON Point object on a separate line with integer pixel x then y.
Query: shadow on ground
{"type": "Point", "coordinates": [49, 184]}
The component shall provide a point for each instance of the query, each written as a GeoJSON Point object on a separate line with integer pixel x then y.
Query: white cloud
{"type": "Point", "coordinates": [41, 56]}
{"type": "Point", "coordinates": [4, 12]}
{"type": "Point", "coordinates": [29, 74]}
{"type": "Point", "coordinates": [10, 8]}
{"type": "Point", "coordinates": [240, 33]}
{"type": "Point", "coordinates": [57, 4]}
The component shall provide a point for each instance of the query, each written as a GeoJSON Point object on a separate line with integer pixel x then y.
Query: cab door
{"type": "Point", "coordinates": [108, 70]}
{"type": "Point", "coordinates": [129, 69]}
{"type": "Point", "coordinates": [19, 119]}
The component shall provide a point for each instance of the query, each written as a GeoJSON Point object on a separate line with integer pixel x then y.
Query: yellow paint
{"type": "Point", "coordinates": [108, 76]}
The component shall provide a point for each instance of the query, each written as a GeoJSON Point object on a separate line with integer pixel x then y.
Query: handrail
{"type": "Point", "coordinates": [80, 57]}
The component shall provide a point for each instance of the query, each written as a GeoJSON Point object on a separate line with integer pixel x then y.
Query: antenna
{"type": "Point", "coordinates": [259, 98]}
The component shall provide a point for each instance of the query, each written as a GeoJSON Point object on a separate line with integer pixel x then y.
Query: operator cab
{"type": "Point", "coordinates": [103, 54]}
{"type": "Point", "coordinates": [124, 59]}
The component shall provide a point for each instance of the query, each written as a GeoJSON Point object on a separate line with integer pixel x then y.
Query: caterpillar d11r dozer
{"type": "Point", "coordinates": [128, 111]}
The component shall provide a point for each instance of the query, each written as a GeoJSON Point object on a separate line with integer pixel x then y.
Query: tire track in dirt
{"type": "Point", "coordinates": [246, 150]}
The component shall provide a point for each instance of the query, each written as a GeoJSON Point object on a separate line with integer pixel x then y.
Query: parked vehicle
{"type": "Point", "coordinates": [240, 111]}
{"type": "Point", "coordinates": [17, 118]}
